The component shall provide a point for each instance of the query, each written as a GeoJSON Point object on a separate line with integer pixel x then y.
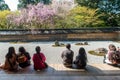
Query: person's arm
{"type": "Point", "coordinates": [28, 56]}
{"type": "Point", "coordinates": [73, 54]}
{"type": "Point", "coordinates": [33, 57]}
{"type": "Point", "coordinates": [17, 56]}
{"type": "Point", "coordinates": [76, 60]}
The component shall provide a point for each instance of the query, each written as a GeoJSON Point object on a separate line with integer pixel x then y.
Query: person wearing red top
{"type": "Point", "coordinates": [39, 59]}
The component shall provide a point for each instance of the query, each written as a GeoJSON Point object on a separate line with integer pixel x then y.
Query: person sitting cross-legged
{"type": "Point", "coordinates": [67, 56]}
{"type": "Point", "coordinates": [81, 59]}
{"type": "Point", "coordinates": [113, 56]}
{"type": "Point", "coordinates": [10, 61]}
{"type": "Point", "coordinates": [23, 57]}
{"type": "Point", "coordinates": [39, 60]}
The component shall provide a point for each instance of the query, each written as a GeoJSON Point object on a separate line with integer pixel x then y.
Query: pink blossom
{"type": "Point", "coordinates": [35, 15]}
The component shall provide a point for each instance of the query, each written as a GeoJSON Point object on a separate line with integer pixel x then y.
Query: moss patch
{"type": "Point", "coordinates": [96, 53]}
{"type": "Point", "coordinates": [62, 45]}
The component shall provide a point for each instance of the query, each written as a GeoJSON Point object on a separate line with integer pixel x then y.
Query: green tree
{"type": "Point", "coordinates": [79, 17]}
{"type": "Point", "coordinates": [85, 17]}
{"type": "Point", "coordinates": [3, 19]}
{"type": "Point", "coordinates": [88, 3]}
{"type": "Point", "coordinates": [3, 5]}
{"type": "Point", "coordinates": [24, 3]}
{"type": "Point", "coordinates": [110, 8]}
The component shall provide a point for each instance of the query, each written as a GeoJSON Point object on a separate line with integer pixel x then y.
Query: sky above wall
{"type": "Point", "coordinates": [12, 4]}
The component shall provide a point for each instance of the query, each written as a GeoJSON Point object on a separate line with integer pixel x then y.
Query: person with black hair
{"type": "Point", "coordinates": [113, 56]}
{"type": "Point", "coordinates": [39, 59]}
{"type": "Point", "coordinates": [23, 57]}
{"type": "Point", "coordinates": [10, 60]}
{"type": "Point", "coordinates": [67, 56]}
{"type": "Point", "coordinates": [108, 56]}
{"type": "Point", "coordinates": [81, 59]}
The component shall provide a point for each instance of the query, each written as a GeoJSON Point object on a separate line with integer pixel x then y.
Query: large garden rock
{"type": "Point", "coordinates": [101, 50]}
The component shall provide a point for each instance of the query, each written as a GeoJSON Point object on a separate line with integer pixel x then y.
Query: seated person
{"type": "Point", "coordinates": [39, 60]}
{"type": "Point", "coordinates": [110, 56]}
{"type": "Point", "coordinates": [10, 60]}
{"type": "Point", "coordinates": [114, 57]}
{"type": "Point", "coordinates": [23, 57]}
{"type": "Point", "coordinates": [67, 56]}
{"type": "Point", "coordinates": [81, 59]}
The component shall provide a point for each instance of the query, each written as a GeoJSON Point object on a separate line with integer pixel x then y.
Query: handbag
{"type": "Point", "coordinates": [22, 58]}
{"type": "Point", "coordinates": [46, 65]}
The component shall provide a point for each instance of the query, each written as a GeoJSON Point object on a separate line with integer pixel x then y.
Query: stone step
{"type": "Point", "coordinates": [59, 69]}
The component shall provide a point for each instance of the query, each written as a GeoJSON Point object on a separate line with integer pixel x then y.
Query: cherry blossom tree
{"type": "Point", "coordinates": [35, 16]}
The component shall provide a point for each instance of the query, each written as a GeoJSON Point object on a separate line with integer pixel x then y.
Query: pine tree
{"type": "Point", "coordinates": [3, 5]}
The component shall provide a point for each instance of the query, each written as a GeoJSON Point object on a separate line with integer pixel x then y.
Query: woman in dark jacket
{"type": "Point", "coordinates": [23, 58]}
{"type": "Point", "coordinates": [81, 58]}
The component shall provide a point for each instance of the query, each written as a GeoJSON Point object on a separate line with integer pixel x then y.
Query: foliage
{"type": "Point", "coordinates": [109, 6]}
{"type": "Point", "coordinates": [62, 9]}
{"type": "Point", "coordinates": [89, 3]}
{"type": "Point", "coordinates": [3, 19]}
{"type": "Point", "coordinates": [25, 3]}
{"type": "Point", "coordinates": [3, 6]}
{"type": "Point", "coordinates": [92, 52]}
{"type": "Point", "coordinates": [57, 16]}
{"type": "Point", "coordinates": [111, 19]}
{"type": "Point", "coordinates": [85, 17]}
{"type": "Point", "coordinates": [111, 9]}
{"type": "Point", "coordinates": [11, 20]}
{"type": "Point", "coordinates": [118, 19]}
{"type": "Point", "coordinates": [63, 22]}
{"type": "Point", "coordinates": [34, 16]}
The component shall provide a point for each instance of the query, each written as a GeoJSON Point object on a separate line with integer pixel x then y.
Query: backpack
{"type": "Point", "coordinates": [22, 58]}
{"type": "Point", "coordinates": [116, 57]}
